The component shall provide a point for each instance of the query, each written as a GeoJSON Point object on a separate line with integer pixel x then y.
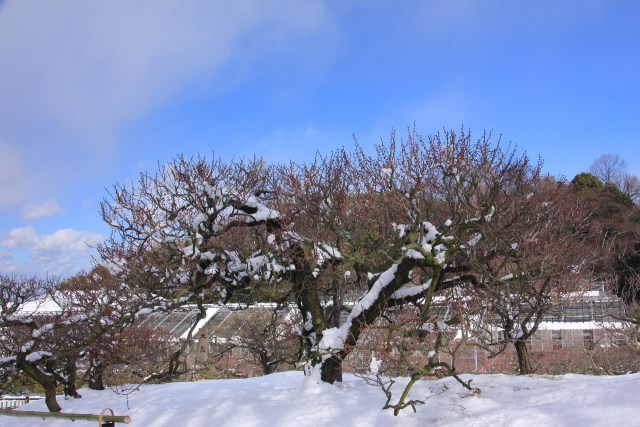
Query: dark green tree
{"type": "Point", "coordinates": [586, 182]}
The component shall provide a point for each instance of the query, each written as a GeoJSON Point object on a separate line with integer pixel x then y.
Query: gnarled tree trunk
{"type": "Point", "coordinates": [70, 378]}
{"type": "Point", "coordinates": [524, 362]}
{"type": "Point", "coordinates": [96, 375]}
{"type": "Point", "coordinates": [331, 370]}
{"type": "Point", "coordinates": [48, 382]}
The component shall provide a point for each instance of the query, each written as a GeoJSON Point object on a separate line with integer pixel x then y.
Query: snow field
{"type": "Point", "coordinates": [288, 400]}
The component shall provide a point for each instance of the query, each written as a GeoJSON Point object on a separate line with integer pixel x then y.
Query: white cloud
{"type": "Point", "coordinates": [46, 209]}
{"type": "Point", "coordinates": [19, 237]}
{"type": "Point", "coordinates": [63, 252]}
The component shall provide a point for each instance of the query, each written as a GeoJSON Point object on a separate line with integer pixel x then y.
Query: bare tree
{"type": "Point", "coordinates": [371, 217]}
{"type": "Point", "coordinates": [192, 233]}
{"type": "Point", "coordinates": [537, 252]}
{"type": "Point", "coordinates": [630, 185]}
{"type": "Point", "coordinates": [344, 238]}
{"type": "Point", "coordinates": [109, 310]}
{"type": "Point", "coordinates": [609, 168]}
{"type": "Point", "coordinates": [42, 345]}
{"type": "Point", "coordinates": [50, 327]}
{"type": "Point", "coordinates": [268, 337]}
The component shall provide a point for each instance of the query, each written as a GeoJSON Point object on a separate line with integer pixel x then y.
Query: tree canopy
{"type": "Point", "coordinates": [344, 238]}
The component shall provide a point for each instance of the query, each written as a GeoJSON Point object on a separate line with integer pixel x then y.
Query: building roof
{"type": "Point", "coordinates": [178, 322]}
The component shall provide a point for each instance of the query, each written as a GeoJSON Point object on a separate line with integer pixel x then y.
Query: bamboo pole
{"type": "Point", "coordinates": [73, 417]}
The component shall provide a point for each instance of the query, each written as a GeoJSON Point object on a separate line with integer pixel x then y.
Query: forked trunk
{"type": "Point", "coordinates": [48, 382]}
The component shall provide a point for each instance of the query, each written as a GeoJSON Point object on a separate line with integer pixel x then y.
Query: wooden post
{"type": "Point", "coordinates": [73, 417]}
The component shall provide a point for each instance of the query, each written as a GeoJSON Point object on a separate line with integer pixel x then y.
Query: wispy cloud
{"type": "Point", "coordinates": [46, 209]}
{"type": "Point", "coordinates": [104, 62]}
{"type": "Point", "coordinates": [75, 74]}
{"type": "Point", "coordinates": [64, 252]}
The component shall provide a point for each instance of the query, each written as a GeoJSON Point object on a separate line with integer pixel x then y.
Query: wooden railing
{"type": "Point", "coordinates": [10, 402]}
{"type": "Point", "coordinates": [101, 418]}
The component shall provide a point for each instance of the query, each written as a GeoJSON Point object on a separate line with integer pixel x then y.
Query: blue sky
{"type": "Point", "coordinates": [93, 93]}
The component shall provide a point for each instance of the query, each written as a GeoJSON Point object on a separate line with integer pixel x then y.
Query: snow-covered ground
{"type": "Point", "coordinates": [285, 399]}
